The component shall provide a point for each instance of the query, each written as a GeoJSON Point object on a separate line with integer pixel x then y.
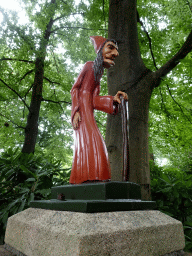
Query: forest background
{"type": "Point", "coordinates": [162, 29]}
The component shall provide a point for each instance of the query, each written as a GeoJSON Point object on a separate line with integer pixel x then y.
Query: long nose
{"type": "Point", "coordinates": [115, 53]}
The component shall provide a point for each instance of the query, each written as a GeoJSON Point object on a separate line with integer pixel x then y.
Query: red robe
{"type": "Point", "coordinates": [90, 159]}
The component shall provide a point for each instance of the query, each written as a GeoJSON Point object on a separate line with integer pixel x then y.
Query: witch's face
{"type": "Point", "coordinates": [110, 52]}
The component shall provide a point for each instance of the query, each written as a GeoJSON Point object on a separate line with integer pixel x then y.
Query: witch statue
{"type": "Point", "coordinates": [90, 159]}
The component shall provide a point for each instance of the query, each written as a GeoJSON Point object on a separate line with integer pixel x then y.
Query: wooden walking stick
{"type": "Point", "coordinates": [125, 131]}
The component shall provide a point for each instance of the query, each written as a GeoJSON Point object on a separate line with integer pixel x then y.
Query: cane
{"type": "Point", "coordinates": [125, 131]}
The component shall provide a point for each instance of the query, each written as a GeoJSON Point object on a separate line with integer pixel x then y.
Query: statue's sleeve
{"type": "Point", "coordinates": [104, 103]}
{"type": "Point", "coordinates": [75, 91]}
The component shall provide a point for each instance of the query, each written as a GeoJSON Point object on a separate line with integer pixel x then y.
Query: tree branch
{"type": "Point", "coordinates": [28, 72]}
{"type": "Point", "coordinates": [57, 33]}
{"type": "Point", "coordinates": [77, 28]}
{"type": "Point", "coordinates": [62, 16]}
{"type": "Point", "coordinates": [28, 61]}
{"type": "Point", "coordinates": [58, 102]}
{"type": "Point", "coordinates": [174, 61]}
{"type": "Point", "coordinates": [150, 45]}
{"type": "Point", "coordinates": [15, 93]}
{"type": "Point", "coordinates": [51, 82]}
{"type": "Point", "coordinates": [100, 123]}
{"type": "Point", "coordinates": [61, 108]}
{"type": "Point", "coordinates": [28, 90]}
{"type": "Point", "coordinates": [19, 126]}
{"type": "Point", "coordinates": [164, 109]}
{"type": "Point", "coordinates": [177, 103]}
{"type": "Point", "coordinates": [64, 2]}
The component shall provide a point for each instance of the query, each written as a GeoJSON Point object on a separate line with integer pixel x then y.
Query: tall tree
{"type": "Point", "coordinates": [27, 48]}
{"type": "Point", "coordinates": [33, 72]}
{"type": "Point", "coordinates": [131, 75]}
{"type": "Point", "coordinates": [31, 129]}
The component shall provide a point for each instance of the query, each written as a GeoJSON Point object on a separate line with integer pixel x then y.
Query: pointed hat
{"type": "Point", "coordinates": [98, 42]}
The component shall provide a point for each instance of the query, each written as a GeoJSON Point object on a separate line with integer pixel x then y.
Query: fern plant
{"type": "Point", "coordinates": [23, 178]}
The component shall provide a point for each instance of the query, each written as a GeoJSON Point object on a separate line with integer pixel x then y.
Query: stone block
{"type": "Point", "coordinates": [36, 232]}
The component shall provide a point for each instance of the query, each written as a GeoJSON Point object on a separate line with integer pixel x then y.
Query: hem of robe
{"type": "Point", "coordinates": [91, 181]}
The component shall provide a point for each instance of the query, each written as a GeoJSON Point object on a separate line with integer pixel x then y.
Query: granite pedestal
{"type": "Point", "coordinates": [36, 232]}
{"type": "Point", "coordinates": [94, 219]}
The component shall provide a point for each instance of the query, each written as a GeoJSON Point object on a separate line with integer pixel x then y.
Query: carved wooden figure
{"type": "Point", "coordinates": [90, 159]}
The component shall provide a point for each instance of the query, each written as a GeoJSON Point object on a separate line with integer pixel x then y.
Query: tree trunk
{"type": "Point", "coordinates": [31, 129]}
{"type": "Point", "coordinates": [129, 75]}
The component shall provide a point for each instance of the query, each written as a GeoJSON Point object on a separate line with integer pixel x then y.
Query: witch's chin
{"type": "Point", "coordinates": [109, 64]}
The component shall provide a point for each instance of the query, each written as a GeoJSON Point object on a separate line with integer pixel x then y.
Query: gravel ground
{"type": "Point", "coordinates": [4, 252]}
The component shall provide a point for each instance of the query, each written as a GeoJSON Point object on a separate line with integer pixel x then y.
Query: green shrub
{"type": "Point", "coordinates": [23, 178]}
{"type": "Point", "coordinates": [172, 190]}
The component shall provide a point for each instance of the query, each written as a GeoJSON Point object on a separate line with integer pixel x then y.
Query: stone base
{"type": "Point", "coordinates": [98, 197]}
{"type": "Point", "coordinates": [36, 232]}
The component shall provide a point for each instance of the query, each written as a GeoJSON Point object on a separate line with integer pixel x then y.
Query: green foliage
{"type": "Point", "coordinates": [21, 46]}
{"type": "Point", "coordinates": [170, 121]}
{"type": "Point", "coordinates": [172, 191]}
{"type": "Point", "coordinates": [168, 23]}
{"type": "Point", "coordinates": [23, 177]}
{"type": "Point", "coordinates": [26, 177]}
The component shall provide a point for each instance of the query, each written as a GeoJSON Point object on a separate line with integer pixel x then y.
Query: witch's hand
{"type": "Point", "coordinates": [117, 97]}
{"type": "Point", "coordinates": [76, 120]}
